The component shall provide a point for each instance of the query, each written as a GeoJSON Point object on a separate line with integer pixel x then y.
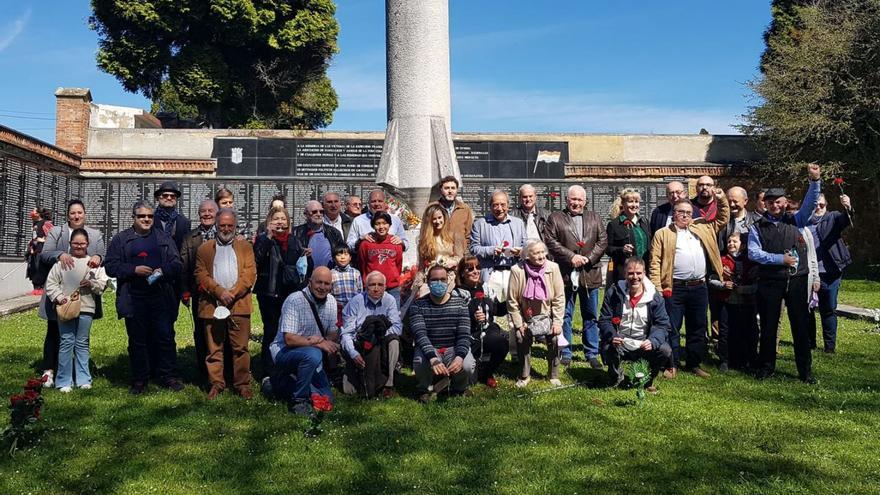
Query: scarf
{"type": "Point", "coordinates": [536, 288]}
{"type": "Point", "coordinates": [167, 217]}
{"type": "Point", "coordinates": [282, 238]}
{"type": "Point", "coordinates": [208, 233]}
{"type": "Point", "coordinates": [639, 237]}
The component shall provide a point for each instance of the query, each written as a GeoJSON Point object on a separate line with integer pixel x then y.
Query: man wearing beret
{"type": "Point", "coordinates": [776, 244]}
{"type": "Point", "coordinates": [171, 221]}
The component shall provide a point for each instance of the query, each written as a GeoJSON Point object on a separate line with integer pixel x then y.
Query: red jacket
{"type": "Point", "coordinates": [382, 257]}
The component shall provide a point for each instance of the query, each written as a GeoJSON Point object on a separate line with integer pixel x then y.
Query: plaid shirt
{"type": "Point", "coordinates": [297, 318]}
{"type": "Point", "coordinates": [347, 283]}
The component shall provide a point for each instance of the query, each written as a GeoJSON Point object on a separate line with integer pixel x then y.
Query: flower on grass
{"type": "Point", "coordinates": [321, 403]}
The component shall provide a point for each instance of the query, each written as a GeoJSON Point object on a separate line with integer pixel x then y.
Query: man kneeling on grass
{"type": "Point", "coordinates": [634, 324]}
{"type": "Point", "coordinates": [371, 340]}
{"type": "Point", "coordinates": [306, 333]}
{"type": "Point", "coordinates": [441, 328]}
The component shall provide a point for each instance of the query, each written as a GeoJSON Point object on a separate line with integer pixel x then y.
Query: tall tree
{"type": "Point", "coordinates": [229, 63]}
{"type": "Point", "coordinates": [819, 93]}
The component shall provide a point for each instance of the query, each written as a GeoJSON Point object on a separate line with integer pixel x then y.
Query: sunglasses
{"type": "Point", "coordinates": [470, 268]}
{"type": "Point", "coordinates": [168, 196]}
{"type": "Point", "coordinates": [312, 212]}
{"type": "Point", "coordinates": [144, 215]}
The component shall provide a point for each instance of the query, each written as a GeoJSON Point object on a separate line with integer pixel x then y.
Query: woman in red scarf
{"type": "Point", "coordinates": [279, 273]}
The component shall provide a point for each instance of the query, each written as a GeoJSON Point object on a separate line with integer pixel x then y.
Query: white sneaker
{"type": "Point", "coordinates": [65, 390]}
{"type": "Point", "coordinates": [555, 382]}
{"type": "Point", "coordinates": [86, 386]}
{"type": "Point", "coordinates": [523, 382]}
{"type": "Point", "coordinates": [50, 378]}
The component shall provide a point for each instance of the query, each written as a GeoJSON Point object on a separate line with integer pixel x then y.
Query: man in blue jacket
{"type": "Point", "coordinates": [634, 324]}
{"type": "Point", "coordinates": [833, 256]}
{"type": "Point", "coordinates": [145, 262]}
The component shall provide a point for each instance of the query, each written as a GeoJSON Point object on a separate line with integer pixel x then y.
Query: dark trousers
{"type": "Point", "coordinates": [378, 371]}
{"type": "Point", "coordinates": [201, 345]}
{"type": "Point", "coordinates": [299, 372]}
{"type": "Point", "coordinates": [688, 304]}
{"type": "Point", "coordinates": [614, 356]}
{"type": "Point", "coordinates": [51, 344]}
{"type": "Point", "coordinates": [152, 350]}
{"type": "Point", "coordinates": [718, 312]}
{"type": "Point", "coordinates": [270, 310]}
{"type": "Point", "coordinates": [771, 294]}
{"type": "Point", "coordinates": [742, 322]}
{"type": "Point", "coordinates": [495, 344]}
{"type": "Point", "coordinates": [830, 286]}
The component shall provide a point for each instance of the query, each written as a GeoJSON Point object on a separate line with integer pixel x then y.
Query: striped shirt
{"type": "Point", "coordinates": [436, 326]}
{"type": "Point", "coordinates": [347, 283]}
{"type": "Point", "coordinates": [297, 318]}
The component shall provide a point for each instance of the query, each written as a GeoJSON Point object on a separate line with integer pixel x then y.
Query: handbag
{"type": "Point", "coordinates": [539, 325]}
{"type": "Point", "coordinates": [69, 310]}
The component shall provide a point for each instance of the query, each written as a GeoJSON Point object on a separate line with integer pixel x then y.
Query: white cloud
{"type": "Point", "coordinates": [14, 29]}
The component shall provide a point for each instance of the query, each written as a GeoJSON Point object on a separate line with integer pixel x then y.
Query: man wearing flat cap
{"type": "Point", "coordinates": [171, 221]}
{"type": "Point", "coordinates": [777, 245]}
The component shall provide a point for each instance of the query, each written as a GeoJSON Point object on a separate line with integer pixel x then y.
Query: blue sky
{"type": "Point", "coordinates": [553, 66]}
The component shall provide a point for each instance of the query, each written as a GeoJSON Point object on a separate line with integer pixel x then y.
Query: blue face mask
{"type": "Point", "coordinates": [302, 266]}
{"type": "Point", "coordinates": [438, 288]}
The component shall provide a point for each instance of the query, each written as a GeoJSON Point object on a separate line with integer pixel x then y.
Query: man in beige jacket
{"type": "Point", "coordinates": [682, 255]}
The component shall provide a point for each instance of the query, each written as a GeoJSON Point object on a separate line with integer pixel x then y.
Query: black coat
{"type": "Point", "coordinates": [620, 234]}
{"type": "Point", "coordinates": [276, 271]}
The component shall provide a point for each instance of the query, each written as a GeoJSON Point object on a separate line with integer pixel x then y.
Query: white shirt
{"type": "Point", "coordinates": [225, 266]}
{"type": "Point", "coordinates": [532, 227]}
{"type": "Point", "coordinates": [690, 259]}
{"type": "Point", "coordinates": [337, 224]}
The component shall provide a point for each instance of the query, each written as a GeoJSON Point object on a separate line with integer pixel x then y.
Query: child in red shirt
{"type": "Point", "coordinates": [382, 253]}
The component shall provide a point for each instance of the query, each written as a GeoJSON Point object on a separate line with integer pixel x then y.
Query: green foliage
{"type": "Point", "coordinates": [229, 63]}
{"type": "Point", "coordinates": [730, 434]}
{"type": "Point", "coordinates": [819, 94]}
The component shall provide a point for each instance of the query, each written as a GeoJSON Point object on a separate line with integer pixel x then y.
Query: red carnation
{"type": "Point", "coordinates": [15, 399]}
{"type": "Point", "coordinates": [505, 244]}
{"type": "Point", "coordinates": [615, 321]}
{"type": "Point", "coordinates": [838, 181]}
{"type": "Point", "coordinates": [628, 223]}
{"type": "Point", "coordinates": [321, 403]}
{"type": "Point", "coordinates": [554, 194]}
{"type": "Point", "coordinates": [479, 294]}
{"type": "Point", "coordinates": [201, 287]}
{"type": "Point", "coordinates": [581, 244]}
{"type": "Point", "coordinates": [186, 296]}
{"type": "Point", "coordinates": [667, 293]}
{"type": "Point", "coordinates": [142, 254]}
{"type": "Point", "coordinates": [368, 345]}
{"type": "Point", "coordinates": [529, 312]}
{"type": "Point", "coordinates": [34, 384]}
{"type": "Point", "coordinates": [30, 395]}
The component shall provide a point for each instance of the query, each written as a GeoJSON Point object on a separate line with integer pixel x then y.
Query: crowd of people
{"type": "Point", "coordinates": [339, 309]}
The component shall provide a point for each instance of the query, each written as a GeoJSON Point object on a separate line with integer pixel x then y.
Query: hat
{"type": "Point", "coordinates": [773, 193]}
{"type": "Point", "coordinates": [167, 186]}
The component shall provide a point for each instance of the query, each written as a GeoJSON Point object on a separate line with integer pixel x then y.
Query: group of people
{"type": "Point", "coordinates": [338, 309]}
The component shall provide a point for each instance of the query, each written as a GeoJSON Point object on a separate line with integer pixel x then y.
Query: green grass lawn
{"type": "Point", "coordinates": [861, 293]}
{"type": "Point", "coordinates": [726, 435]}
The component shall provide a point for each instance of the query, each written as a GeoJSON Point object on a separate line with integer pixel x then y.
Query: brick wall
{"type": "Point", "coordinates": [72, 111]}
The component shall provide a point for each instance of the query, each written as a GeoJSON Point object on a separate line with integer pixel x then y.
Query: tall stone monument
{"type": "Point", "coordinates": [418, 147]}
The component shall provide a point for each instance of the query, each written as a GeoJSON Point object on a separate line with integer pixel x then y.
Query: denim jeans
{"type": "Point", "coordinates": [73, 353]}
{"type": "Point", "coordinates": [688, 304]}
{"type": "Point", "coordinates": [306, 366]}
{"type": "Point", "coordinates": [828, 289]}
{"type": "Point", "coordinates": [589, 302]}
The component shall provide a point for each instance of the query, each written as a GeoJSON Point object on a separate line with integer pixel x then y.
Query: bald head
{"type": "Point", "coordinates": [674, 191]}
{"type": "Point", "coordinates": [705, 190]}
{"type": "Point", "coordinates": [737, 198]}
{"type": "Point", "coordinates": [319, 283]}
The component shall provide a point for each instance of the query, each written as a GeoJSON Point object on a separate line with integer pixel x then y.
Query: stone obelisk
{"type": "Point", "coordinates": [418, 148]}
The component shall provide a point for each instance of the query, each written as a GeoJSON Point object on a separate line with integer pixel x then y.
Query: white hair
{"type": "Point", "coordinates": [525, 187]}
{"type": "Point", "coordinates": [530, 245]}
{"type": "Point", "coordinates": [576, 188]}
{"type": "Point", "coordinates": [376, 273]}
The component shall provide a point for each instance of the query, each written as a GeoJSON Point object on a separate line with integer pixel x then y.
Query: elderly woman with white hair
{"type": "Point", "coordinates": [536, 306]}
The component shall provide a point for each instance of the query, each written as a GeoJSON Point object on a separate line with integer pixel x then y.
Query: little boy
{"type": "Point", "coordinates": [347, 281]}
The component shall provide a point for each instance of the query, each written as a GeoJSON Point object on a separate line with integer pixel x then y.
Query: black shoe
{"type": "Point", "coordinates": [173, 385]}
{"type": "Point", "coordinates": [565, 361]}
{"type": "Point", "coordinates": [137, 388]}
{"type": "Point", "coordinates": [266, 389]}
{"type": "Point", "coordinates": [809, 379]}
{"type": "Point", "coordinates": [722, 368]}
{"type": "Point", "coordinates": [763, 374]}
{"type": "Point", "coordinates": [595, 364]}
{"type": "Point", "coordinates": [828, 350]}
{"type": "Point", "coordinates": [299, 407]}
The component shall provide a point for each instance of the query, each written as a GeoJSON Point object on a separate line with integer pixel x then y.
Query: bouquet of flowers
{"type": "Point", "coordinates": [406, 215]}
{"type": "Point", "coordinates": [321, 405]}
{"type": "Point", "coordinates": [24, 412]}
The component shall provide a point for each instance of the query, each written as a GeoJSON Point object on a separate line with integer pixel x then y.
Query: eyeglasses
{"type": "Point", "coordinates": [79, 244]}
{"type": "Point", "coordinates": [470, 268]}
{"type": "Point", "coordinates": [821, 205]}
{"type": "Point", "coordinates": [144, 215]}
{"type": "Point", "coordinates": [168, 196]}
{"type": "Point", "coordinates": [683, 213]}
